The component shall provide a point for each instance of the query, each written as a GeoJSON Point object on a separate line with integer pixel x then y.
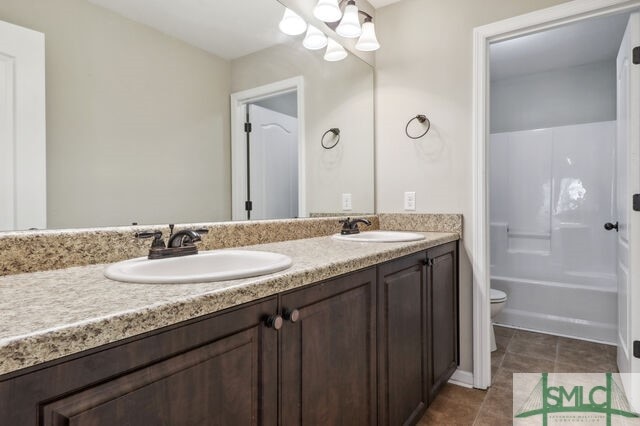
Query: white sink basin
{"type": "Point", "coordinates": [381, 237]}
{"type": "Point", "coordinates": [216, 265]}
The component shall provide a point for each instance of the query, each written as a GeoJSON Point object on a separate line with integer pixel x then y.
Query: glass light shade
{"type": "Point", "coordinates": [334, 52]}
{"type": "Point", "coordinates": [315, 39]}
{"type": "Point", "coordinates": [292, 23]}
{"type": "Point", "coordinates": [327, 11]}
{"type": "Point", "coordinates": [350, 24]}
{"type": "Point", "coordinates": [368, 40]}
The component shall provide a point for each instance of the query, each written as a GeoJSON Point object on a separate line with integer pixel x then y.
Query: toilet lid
{"type": "Point", "coordinates": [498, 296]}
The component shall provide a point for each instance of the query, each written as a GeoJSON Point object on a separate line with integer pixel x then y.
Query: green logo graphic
{"type": "Point", "coordinates": [544, 400]}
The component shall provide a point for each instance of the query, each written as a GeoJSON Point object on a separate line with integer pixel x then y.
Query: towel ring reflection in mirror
{"type": "Point", "coordinates": [421, 119]}
{"type": "Point", "coordinates": [336, 134]}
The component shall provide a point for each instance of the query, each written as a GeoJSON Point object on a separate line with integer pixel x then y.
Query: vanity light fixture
{"type": "Point", "coordinates": [368, 41]}
{"type": "Point", "coordinates": [327, 11]}
{"type": "Point", "coordinates": [315, 39]}
{"type": "Point", "coordinates": [335, 52]}
{"type": "Point", "coordinates": [292, 23]}
{"type": "Point", "coordinates": [349, 26]}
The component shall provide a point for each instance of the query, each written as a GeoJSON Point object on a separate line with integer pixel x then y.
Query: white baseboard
{"type": "Point", "coordinates": [462, 378]}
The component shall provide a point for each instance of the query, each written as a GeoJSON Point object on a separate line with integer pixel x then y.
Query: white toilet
{"type": "Point", "coordinates": [498, 300]}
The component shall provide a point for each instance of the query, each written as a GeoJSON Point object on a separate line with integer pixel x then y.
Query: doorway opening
{"type": "Point", "coordinates": [556, 140]}
{"type": "Point", "coordinates": [268, 169]}
{"type": "Point", "coordinates": [553, 178]}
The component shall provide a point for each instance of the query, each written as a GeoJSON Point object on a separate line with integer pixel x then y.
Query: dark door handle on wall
{"type": "Point", "coordinates": [609, 226]}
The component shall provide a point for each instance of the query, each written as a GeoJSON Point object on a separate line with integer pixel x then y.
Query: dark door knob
{"type": "Point", "coordinates": [274, 321]}
{"type": "Point", "coordinates": [609, 226]}
{"type": "Point", "coordinates": [291, 315]}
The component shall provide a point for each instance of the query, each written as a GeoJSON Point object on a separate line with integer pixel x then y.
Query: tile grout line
{"type": "Point", "coordinates": [555, 362]}
{"type": "Point", "coordinates": [475, 419]}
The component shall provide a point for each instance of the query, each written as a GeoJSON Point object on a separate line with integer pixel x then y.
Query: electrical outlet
{"type": "Point", "coordinates": [346, 202]}
{"type": "Point", "coordinates": [409, 200]}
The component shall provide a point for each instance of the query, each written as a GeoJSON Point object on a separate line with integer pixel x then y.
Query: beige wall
{"type": "Point", "coordinates": [338, 94]}
{"type": "Point", "coordinates": [137, 121]}
{"type": "Point", "coordinates": [425, 67]}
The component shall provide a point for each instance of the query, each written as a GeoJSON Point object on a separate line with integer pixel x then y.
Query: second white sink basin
{"type": "Point", "coordinates": [216, 265]}
{"type": "Point", "coordinates": [381, 237]}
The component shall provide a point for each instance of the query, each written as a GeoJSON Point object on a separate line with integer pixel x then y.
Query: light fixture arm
{"type": "Point", "coordinates": [367, 17]}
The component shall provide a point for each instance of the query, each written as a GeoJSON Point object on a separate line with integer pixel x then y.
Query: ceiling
{"type": "Point", "coordinates": [380, 3]}
{"type": "Point", "coordinates": [588, 41]}
{"type": "Point", "coordinates": [244, 26]}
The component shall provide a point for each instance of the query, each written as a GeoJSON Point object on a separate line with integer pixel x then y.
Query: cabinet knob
{"type": "Point", "coordinates": [274, 321]}
{"type": "Point", "coordinates": [291, 315]}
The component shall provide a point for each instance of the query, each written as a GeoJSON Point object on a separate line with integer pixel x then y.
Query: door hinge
{"type": "Point", "coordinates": [636, 55]}
{"type": "Point", "coordinates": [248, 206]}
{"type": "Point", "coordinates": [636, 348]}
{"type": "Point", "coordinates": [247, 127]}
{"type": "Point", "coordinates": [636, 202]}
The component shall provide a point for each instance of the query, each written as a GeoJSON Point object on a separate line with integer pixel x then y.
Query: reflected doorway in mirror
{"type": "Point", "coordinates": [267, 150]}
{"type": "Point", "coordinates": [23, 186]}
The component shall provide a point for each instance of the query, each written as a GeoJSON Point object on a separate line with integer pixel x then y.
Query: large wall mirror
{"type": "Point", "coordinates": [146, 101]}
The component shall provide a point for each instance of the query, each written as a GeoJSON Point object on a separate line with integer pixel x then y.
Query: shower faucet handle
{"type": "Point", "coordinates": [609, 226]}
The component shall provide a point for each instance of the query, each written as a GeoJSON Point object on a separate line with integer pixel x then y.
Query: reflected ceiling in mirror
{"type": "Point", "coordinates": [139, 115]}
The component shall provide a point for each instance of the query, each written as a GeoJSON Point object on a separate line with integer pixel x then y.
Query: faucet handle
{"type": "Point", "coordinates": [201, 231]}
{"type": "Point", "coordinates": [158, 241]}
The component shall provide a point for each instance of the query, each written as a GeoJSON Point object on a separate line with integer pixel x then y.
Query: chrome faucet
{"type": "Point", "coordinates": [350, 227]}
{"type": "Point", "coordinates": [182, 243]}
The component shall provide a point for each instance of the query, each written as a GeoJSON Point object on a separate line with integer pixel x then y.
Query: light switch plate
{"type": "Point", "coordinates": [409, 200]}
{"type": "Point", "coordinates": [346, 202]}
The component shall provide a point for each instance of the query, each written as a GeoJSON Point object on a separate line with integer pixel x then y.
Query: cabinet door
{"type": "Point", "coordinates": [328, 356]}
{"type": "Point", "coordinates": [442, 299]}
{"type": "Point", "coordinates": [220, 370]}
{"type": "Point", "coordinates": [402, 340]}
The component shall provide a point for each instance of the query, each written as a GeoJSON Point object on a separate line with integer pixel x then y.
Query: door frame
{"type": "Point", "coordinates": [543, 19]}
{"type": "Point", "coordinates": [239, 100]}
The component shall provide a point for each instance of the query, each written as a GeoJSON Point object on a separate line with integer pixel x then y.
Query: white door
{"type": "Point", "coordinates": [628, 183]}
{"type": "Point", "coordinates": [22, 129]}
{"type": "Point", "coordinates": [273, 164]}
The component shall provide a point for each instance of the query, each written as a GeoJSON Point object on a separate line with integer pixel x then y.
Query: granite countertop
{"type": "Point", "coordinates": [51, 314]}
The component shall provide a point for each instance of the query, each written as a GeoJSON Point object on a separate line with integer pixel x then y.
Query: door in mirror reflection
{"type": "Point", "coordinates": [23, 189]}
{"type": "Point", "coordinates": [273, 158]}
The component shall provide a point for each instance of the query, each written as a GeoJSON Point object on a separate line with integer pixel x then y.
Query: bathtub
{"type": "Point", "coordinates": [551, 192]}
{"type": "Point", "coordinates": [565, 309]}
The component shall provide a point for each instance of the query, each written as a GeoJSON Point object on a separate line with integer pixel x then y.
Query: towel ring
{"type": "Point", "coordinates": [421, 119]}
{"type": "Point", "coordinates": [336, 133]}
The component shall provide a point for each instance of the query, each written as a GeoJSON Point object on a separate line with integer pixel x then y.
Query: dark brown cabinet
{"type": "Point", "coordinates": [220, 370]}
{"type": "Point", "coordinates": [417, 331]}
{"type": "Point", "coordinates": [369, 347]}
{"type": "Point", "coordinates": [328, 356]}
{"type": "Point", "coordinates": [442, 301]}
{"type": "Point", "coordinates": [402, 337]}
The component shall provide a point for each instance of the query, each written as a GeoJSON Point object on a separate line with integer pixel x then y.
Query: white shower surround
{"type": "Point", "coordinates": [551, 192]}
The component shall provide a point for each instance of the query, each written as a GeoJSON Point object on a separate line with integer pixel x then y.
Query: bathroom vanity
{"type": "Point", "coordinates": [370, 343]}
